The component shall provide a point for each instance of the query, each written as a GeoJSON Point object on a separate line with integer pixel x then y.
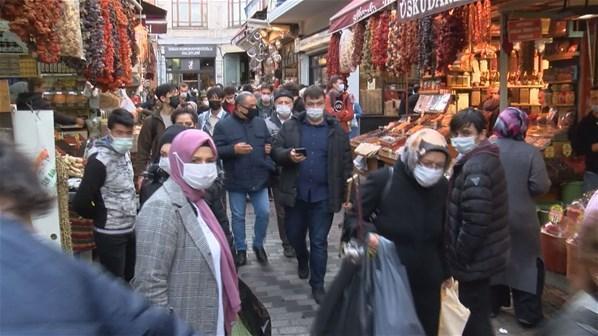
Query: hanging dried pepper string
{"type": "Point", "coordinates": [107, 74]}
{"type": "Point", "coordinates": [333, 61]}
{"type": "Point", "coordinates": [125, 76]}
{"type": "Point", "coordinates": [358, 40]}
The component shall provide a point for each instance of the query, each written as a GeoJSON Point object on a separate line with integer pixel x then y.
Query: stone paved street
{"type": "Point", "coordinates": [289, 300]}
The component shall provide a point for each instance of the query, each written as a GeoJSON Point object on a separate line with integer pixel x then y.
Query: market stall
{"type": "Point", "coordinates": [64, 65]}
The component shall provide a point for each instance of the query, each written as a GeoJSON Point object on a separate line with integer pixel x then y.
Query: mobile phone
{"type": "Point", "coordinates": [301, 151]}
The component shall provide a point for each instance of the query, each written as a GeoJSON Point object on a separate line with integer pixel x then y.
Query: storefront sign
{"type": "Point", "coordinates": [190, 50]}
{"type": "Point", "coordinates": [352, 14]}
{"type": "Point", "coordinates": [415, 9]}
{"type": "Point", "coordinates": [525, 30]}
{"type": "Point", "coordinates": [189, 65]}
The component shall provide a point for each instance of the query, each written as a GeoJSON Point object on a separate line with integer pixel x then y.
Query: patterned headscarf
{"type": "Point", "coordinates": [511, 123]}
{"type": "Point", "coordinates": [420, 143]}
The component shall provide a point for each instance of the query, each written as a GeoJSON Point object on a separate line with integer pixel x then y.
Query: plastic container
{"type": "Point", "coordinates": [572, 271]}
{"type": "Point", "coordinates": [554, 251]}
{"type": "Point", "coordinates": [571, 191]}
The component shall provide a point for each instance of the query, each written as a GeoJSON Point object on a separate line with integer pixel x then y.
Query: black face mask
{"type": "Point", "coordinates": [215, 104]}
{"type": "Point", "coordinates": [174, 101]}
{"type": "Point", "coordinates": [252, 112]}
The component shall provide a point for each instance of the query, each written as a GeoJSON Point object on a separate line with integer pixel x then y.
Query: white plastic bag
{"type": "Point", "coordinates": [453, 314]}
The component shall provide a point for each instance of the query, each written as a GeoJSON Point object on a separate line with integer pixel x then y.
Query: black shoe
{"type": "Point", "coordinates": [261, 255]}
{"type": "Point", "coordinates": [303, 270]}
{"type": "Point", "coordinates": [318, 294]}
{"type": "Point", "coordinates": [289, 251]}
{"type": "Point", "coordinates": [241, 258]}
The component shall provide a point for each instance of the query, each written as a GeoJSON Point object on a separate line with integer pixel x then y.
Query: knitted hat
{"type": "Point", "coordinates": [282, 93]}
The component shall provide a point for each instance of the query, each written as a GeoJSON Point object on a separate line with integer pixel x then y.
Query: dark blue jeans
{"type": "Point", "coordinates": [317, 218]}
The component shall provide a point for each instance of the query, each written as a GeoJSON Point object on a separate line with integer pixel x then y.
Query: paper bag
{"type": "Point", "coordinates": [453, 314]}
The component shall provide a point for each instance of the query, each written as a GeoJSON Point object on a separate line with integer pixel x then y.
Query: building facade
{"type": "Point", "coordinates": [196, 48]}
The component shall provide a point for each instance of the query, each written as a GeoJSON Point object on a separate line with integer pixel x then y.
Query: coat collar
{"type": "Point", "coordinates": [190, 221]}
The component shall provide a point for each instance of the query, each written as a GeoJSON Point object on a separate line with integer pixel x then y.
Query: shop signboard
{"type": "Point", "coordinates": [525, 30]}
{"type": "Point", "coordinates": [414, 9]}
{"type": "Point", "coordinates": [190, 51]}
{"type": "Point", "coordinates": [190, 65]}
{"type": "Point", "coordinates": [354, 13]}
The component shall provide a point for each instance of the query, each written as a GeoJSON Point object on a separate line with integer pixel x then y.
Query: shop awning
{"type": "Point", "coordinates": [154, 18]}
{"type": "Point", "coordinates": [311, 15]}
{"type": "Point", "coordinates": [356, 11]}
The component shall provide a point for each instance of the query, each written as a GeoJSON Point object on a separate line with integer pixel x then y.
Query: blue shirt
{"type": "Point", "coordinates": [312, 183]}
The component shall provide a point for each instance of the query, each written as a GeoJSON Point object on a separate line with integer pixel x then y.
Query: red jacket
{"type": "Point", "coordinates": [340, 108]}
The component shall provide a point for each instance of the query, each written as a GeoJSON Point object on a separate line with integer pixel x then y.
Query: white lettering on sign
{"type": "Point", "coordinates": [369, 9]}
{"type": "Point", "coordinates": [412, 9]}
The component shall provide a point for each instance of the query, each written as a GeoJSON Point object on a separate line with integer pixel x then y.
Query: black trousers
{"type": "Point", "coordinates": [117, 253]}
{"type": "Point", "coordinates": [528, 306]}
{"type": "Point", "coordinates": [477, 296]}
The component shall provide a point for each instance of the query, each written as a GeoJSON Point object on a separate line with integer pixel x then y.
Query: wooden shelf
{"type": "Point", "coordinates": [565, 105]}
{"type": "Point", "coordinates": [561, 82]}
{"type": "Point", "coordinates": [520, 104]}
{"type": "Point", "coordinates": [537, 86]}
{"type": "Point", "coordinates": [561, 57]}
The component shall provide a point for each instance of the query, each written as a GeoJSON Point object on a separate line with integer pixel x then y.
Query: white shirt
{"type": "Point", "coordinates": [216, 252]}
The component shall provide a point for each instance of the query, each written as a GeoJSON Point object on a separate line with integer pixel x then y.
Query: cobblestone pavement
{"type": "Point", "coordinates": [289, 299]}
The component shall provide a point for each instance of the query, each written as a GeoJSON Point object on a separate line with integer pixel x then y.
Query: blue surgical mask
{"type": "Point", "coordinates": [164, 164]}
{"type": "Point", "coordinates": [315, 113]}
{"type": "Point", "coordinates": [464, 145]}
{"type": "Point", "coordinates": [284, 111]}
{"type": "Point", "coordinates": [427, 177]}
{"type": "Point", "coordinates": [122, 145]}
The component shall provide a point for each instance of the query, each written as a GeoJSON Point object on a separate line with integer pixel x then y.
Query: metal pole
{"type": "Point", "coordinates": [504, 62]}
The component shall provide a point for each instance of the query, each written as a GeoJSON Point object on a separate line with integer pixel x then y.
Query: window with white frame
{"type": "Point", "coordinates": [189, 13]}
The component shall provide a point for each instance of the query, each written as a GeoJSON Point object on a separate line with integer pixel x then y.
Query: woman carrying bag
{"type": "Point", "coordinates": [410, 213]}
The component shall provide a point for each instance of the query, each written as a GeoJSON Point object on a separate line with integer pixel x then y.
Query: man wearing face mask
{"type": "Point", "coordinates": [283, 104]}
{"type": "Point", "coordinates": [478, 245]}
{"type": "Point", "coordinates": [209, 119]}
{"type": "Point", "coordinates": [153, 128]}
{"type": "Point", "coordinates": [229, 99]}
{"type": "Point", "coordinates": [314, 154]}
{"type": "Point", "coordinates": [339, 103]}
{"type": "Point", "coordinates": [244, 145]}
{"type": "Point", "coordinates": [107, 195]}
{"type": "Point", "coordinates": [265, 105]}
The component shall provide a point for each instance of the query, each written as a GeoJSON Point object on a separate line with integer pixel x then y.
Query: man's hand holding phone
{"type": "Point", "coordinates": [297, 154]}
{"type": "Point", "coordinates": [242, 148]}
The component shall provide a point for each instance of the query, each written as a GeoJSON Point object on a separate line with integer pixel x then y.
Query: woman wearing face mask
{"type": "Point", "coordinates": [410, 203]}
{"type": "Point", "coordinates": [527, 178]}
{"type": "Point", "coordinates": [183, 258]}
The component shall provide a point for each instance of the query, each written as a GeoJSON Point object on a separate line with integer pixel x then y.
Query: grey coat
{"type": "Point", "coordinates": [174, 267]}
{"type": "Point", "coordinates": [527, 178]}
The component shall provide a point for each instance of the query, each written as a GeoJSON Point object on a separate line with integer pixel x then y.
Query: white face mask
{"type": "Point", "coordinates": [315, 113]}
{"type": "Point", "coordinates": [284, 111]}
{"type": "Point", "coordinates": [265, 98]}
{"type": "Point", "coordinates": [427, 177]}
{"type": "Point", "coordinates": [164, 164]}
{"type": "Point", "coordinates": [199, 176]}
{"type": "Point", "coordinates": [464, 145]}
{"type": "Point", "coordinates": [341, 87]}
{"type": "Point", "coordinates": [122, 145]}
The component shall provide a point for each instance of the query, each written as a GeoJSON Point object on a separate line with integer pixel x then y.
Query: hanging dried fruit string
{"type": "Point", "coordinates": [125, 75]}
{"type": "Point", "coordinates": [452, 37]}
{"type": "Point", "coordinates": [93, 37]}
{"type": "Point", "coordinates": [133, 21]}
{"type": "Point", "coordinates": [393, 54]}
{"type": "Point", "coordinates": [358, 40]}
{"type": "Point", "coordinates": [107, 78]}
{"type": "Point", "coordinates": [332, 59]}
{"type": "Point", "coordinates": [366, 60]}
{"type": "Point", "coordinates": [427, 45]}
{"type": "Point", "coordinates": [380, 42]}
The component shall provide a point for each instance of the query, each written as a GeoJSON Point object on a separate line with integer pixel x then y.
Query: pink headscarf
{"type": "Point", "coordinates": [185, 144]}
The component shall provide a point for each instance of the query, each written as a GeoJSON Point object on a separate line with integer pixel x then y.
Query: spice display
{"type": "Point", "coordinates": [69, 31]}
{"type": "Point", "coordinates": [427, 44]}
{"type": "Point", "coordinates": [346, 51]}
{"type": "Point", "coordinates": [332, 59]}
{"type": "Point", "coordinates": [124, 76]}
{"type": "Point", "coordinates": [93, 35]}
{"type": "Point", "coordinates": [133, 21]}
{"type": "Point", "coordinates": [452, 37]}
{"type": "Point", "coordinates": [392, 60]}
{"type": "Point", "coordinates": [358, 42]}
{"type": "Point", "coordinates": [479, 17]}
{"type": "Point", "coordinates": [106, 76]}
{"type": "Point", "coordinates": [366, 59]}
{"type": "Point", "coordinates": [380, 42]}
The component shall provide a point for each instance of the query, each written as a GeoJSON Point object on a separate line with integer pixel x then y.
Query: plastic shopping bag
{"type": "Point", "coordinates": [453, 314]}
{"type": "Point", "coordinates": [394, 311]}
{"type": "Point", "coordinates": [253, 317]}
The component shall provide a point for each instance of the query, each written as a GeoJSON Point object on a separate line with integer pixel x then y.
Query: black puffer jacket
{"type": "Point", "coordinates": [478, 232]}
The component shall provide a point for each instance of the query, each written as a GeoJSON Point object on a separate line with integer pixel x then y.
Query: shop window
{"type": "Point", "coordinates": [190, 13]}
{"type": "Point", "coordinates": [236, 12]}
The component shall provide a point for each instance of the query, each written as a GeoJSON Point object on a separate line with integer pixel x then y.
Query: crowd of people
{"type": "Point", "coordinates": [196, 157]}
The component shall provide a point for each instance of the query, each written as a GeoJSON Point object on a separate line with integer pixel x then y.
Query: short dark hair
{"type": "Point", "coordinates": [164, 89]}
{"type": "Point", "coordinates": [466, 117]}
{"type": "Point", "coordinates": [229, 90]}
{"type": "Point", "coordinates": [20, 184]}
{"type": "Point", "coordinates": [215, 91]}
{"type": "Point", "coordinates": [292, 87]}
{"type": "Point", "coordinates": [186, 109]}
{"type": "Point", "coordinates": [313, 92]}
{"type": "Point", "coordinates": [121, 117]}
{"type": "Point", "coordinates": [34, 83]}
{"type": "Point", "coordinates": [183, 85]}
{"type": "Point", "coordinates": [267, 86]}
{"type": "Point", "coordinates": [247, 87]}
{"type": "Point", "coordinates": [333, 80]}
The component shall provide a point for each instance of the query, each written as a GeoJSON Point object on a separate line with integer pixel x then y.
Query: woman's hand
{"type": "Point", "coordinates": [448, 283]}
{"type": "Point", "coordinates": [373, 240]}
